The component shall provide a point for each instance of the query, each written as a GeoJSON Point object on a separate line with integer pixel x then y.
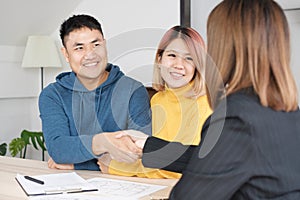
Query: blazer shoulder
{"type": "Point", "coordinates": [243, 105]}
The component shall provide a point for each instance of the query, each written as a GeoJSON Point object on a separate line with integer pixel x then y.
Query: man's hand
{"type": "Point", "coordinates": [104, 162]}
{"type": "Point", "coordinates": [54, 165]}
{"type": "Point", "coordinates": [121, 149]}
{"type": "Point", "coordinates": [138, 137]}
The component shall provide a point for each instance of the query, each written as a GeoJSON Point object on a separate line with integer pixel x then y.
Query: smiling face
{"type": "Point", "coordinates": [176, 64]}
{"type": "Point", "coordinates": [86, 53]}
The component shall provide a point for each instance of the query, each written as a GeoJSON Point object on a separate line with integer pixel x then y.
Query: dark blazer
{"type": "Point", "coordinates": [247, 151]}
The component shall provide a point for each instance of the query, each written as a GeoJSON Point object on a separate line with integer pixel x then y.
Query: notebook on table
{"type": "Point", "coordinates": [60, 183]}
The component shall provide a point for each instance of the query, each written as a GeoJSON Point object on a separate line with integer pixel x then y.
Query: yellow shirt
{"type": "Point", "coordinates": [174, 118]}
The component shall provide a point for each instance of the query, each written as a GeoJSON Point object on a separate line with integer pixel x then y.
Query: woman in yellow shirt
{"type": "Point", "coordinates": [180, 107]}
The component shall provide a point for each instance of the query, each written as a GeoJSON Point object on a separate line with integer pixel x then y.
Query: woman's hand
{"type": "Point", "coordinates": [138, 137]}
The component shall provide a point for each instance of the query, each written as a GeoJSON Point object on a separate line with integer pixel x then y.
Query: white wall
{"type": "Point", "coordinates": [200, 10]}
{"type": "Point", "coordinates": [294, 22]}
{"type": "Point", "coordinates": [132, 29]}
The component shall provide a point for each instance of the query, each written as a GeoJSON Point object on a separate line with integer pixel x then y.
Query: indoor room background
{"type": "Point", "coordinates": [132, 29]}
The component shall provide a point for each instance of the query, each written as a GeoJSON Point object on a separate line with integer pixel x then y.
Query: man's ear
{"type": "Point", "coordinates": [65, 53]}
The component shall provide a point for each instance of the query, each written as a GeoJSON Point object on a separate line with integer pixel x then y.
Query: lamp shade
{"type": "Point", "coordinates": [41, 51]}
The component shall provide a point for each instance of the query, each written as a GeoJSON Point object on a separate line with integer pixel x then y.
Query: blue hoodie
{"type": "Point", "coordinates": [71, 115]}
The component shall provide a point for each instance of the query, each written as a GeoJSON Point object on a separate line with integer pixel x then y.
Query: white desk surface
{"type": "Point", "coordinates": [10, 189]}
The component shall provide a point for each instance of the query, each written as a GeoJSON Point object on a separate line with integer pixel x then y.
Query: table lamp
{"type": "Point", "coordinates": [41, 51]}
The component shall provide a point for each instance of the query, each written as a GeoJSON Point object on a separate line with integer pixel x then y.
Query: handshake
{"type": "Point", "coordinates": [122, 146]}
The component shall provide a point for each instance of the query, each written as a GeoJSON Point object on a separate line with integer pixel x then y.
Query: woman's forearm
{"type": "Point", "coordinates": [171, 156]}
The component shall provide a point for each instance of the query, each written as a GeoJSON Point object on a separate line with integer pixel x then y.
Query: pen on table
{"type": "Point", "coordinates": [34, 180]}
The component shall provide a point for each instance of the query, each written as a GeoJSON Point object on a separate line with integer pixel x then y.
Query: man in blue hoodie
{"type": "Point", "coordinates": [83, 109]}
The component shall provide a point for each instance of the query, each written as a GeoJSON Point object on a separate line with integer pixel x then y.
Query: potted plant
{"type": "Point", "coordinates": [3, 148]}
{"type": "Point", "coordinates": [19, 145]}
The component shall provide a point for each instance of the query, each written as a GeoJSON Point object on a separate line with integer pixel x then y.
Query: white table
{"type": "Point", "coordinates": [10, 189]}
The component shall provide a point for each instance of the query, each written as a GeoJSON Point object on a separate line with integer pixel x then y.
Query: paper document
{"type": "Point", "coordinates": [110, 189]}
{"type": "Point", "coordinates": [76, 196]}
{"type": "Point", "coordinates": [124, 189]}
{"type": "Point", "coordinates": [54, 184]}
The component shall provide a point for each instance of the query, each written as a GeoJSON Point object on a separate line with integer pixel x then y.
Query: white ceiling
{"type": "Point", "coordinates": [20, 18]}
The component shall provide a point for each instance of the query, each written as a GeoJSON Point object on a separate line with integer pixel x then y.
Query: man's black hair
{"type": "Point", "coordinates": [78, 22]}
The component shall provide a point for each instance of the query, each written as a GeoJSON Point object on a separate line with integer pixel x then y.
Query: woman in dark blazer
{"type": "Point", "coordinates": [250, 145]}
